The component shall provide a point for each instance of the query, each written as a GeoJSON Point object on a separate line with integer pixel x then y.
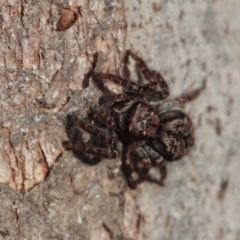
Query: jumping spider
{"type": "Point", "coordinates": [151, 133]}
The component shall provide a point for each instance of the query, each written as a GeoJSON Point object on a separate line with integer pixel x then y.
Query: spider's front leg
{"type": "Point", "coordinates": [120, 81]}
{"type": "Point", "coordinates": [154, 79]}
{"type": "Point", "coordinates": [144, 69]}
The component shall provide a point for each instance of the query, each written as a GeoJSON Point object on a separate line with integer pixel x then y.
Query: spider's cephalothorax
{"type": "Point", "coordinates": [136, 119]}
{"type": "Point", "coordinates": [150, 132]}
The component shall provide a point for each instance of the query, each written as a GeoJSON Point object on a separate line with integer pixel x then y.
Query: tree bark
{"type": "Point", "coordinates": [49, 193]}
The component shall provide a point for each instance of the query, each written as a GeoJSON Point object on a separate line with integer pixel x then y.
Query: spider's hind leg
{"type": "Point", "coordinates": [181, 100]}
{"type": "Point", "coordinates": [112, 154]}
{"type": "Point", "coordinates": [146, 154]}
{"type": "Point", "coordinates": [107, 138]}
{"type": "Point", "coordinates": [190, 96]}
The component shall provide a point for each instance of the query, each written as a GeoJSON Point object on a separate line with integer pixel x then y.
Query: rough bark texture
{"type": "Point", "coordinates": [47, 193]}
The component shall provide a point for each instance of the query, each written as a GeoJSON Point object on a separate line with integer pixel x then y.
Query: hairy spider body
{"type": "Point", "coordinates": [169, 133]}
{"type": "Point", "coordinates": [141, 122]}
{"type": "Point", "coordinates": [150, 133]}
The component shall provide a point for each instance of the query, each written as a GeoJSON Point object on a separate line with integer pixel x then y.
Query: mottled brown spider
{"type": "Point", "coordinates": [150, 132]}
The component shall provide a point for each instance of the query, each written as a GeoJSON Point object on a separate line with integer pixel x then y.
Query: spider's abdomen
{"type": "Point", "coordinates": [175, 136]}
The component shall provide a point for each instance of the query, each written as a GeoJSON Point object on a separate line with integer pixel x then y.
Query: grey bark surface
{"type": "Point", "coordinates": [48, 193]}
